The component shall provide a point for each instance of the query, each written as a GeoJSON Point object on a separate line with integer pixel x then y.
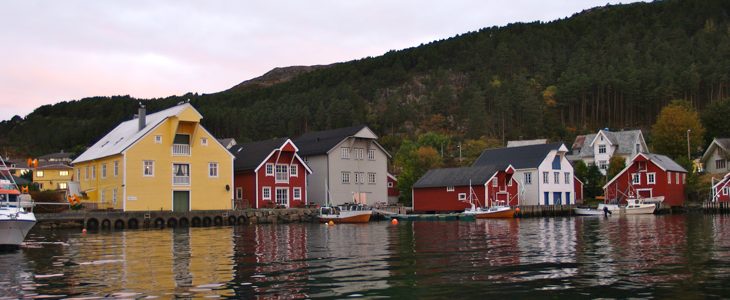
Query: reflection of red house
{"type": "Point", "coordinates": [721, 190]}
{"type": "Point", "coordinates": [578, 187]}
{"type": "Point", "coordinates": [393, 192]}
{"type": "Point", "coordinates": [269, 173]}
{"type": "Point", "coordinates": [649, 175]}
{"type": "Point", "coordinates": [445, 190]}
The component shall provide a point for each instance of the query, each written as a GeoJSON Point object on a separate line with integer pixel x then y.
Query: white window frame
{"type": "Point", "coordinates": [40, 173]}
{"type": "Point", "coordinates": [86, 173]}
{"type": "Point", "coordinates": [462, 196]}
{"type": "Point", "coordinates": [603, 165]}
{"type": "Point", "coordinates": [103, 196]}
{"type": "Point", "coordinates": [676, 177]}
{"type": "Point", "coordinates": [669, 177]}
{"type": "Point", "coordinates": [284, 173]}
{"type": "Point", "coordinates": [269, 169]}
{"type": "Point", "coordinates": [213, 169]}
{"type": "Point", "coordinates": [372, 179]}
{"type": "Point", "coordinates": [151, 168]}
{"type": "Point", "coordinates": [557, 177]}
{"type": "Point", "coordinates": [62, 185]}
{"type": "Point", "coordinates": [371, 154]}
{"type": "Point", "coordinates": [390, 184]}
{"type": "Point", "coordinates": [450, 188]}
{"type": "Point", "coordinates": [359, 177]}
{"type": "Point", "coordinates": [345, 152]}
{"type": "Point", "coordinates": [103, 170]}
{"type": "Point", "coordinates": [286, 193]}
{"type": "Point", "coordinates": [264, 191]}
{"type": "Point", "coordinates": [239, 193]}
{"type": "Point", "coordinates": [116, 168]}
{"type": "Point", "coordinates": [294, 170]}
{"type": "Point", "coordinates": [601, 149]}
{"type": "Point", "coordinates": [567, 177]}
{"type": "Point", "coordinates": [495, 182]}
{"type": "Point", "coordinates": [114, 196]}
{"type": "Point", "coordinates": [359, 153]}
{"type": "Point", "coordinates": [545, 177]}
{"type": "Point", "coordinates": [509, 182]}
{"type": "Point", "coordinates": [635, 179]}
{"type": "Point", "coordinates": [204, 141]}
{"type": "Point", "coordinates": [78, 174]}
{"type": "Point", "coordinates": [63, 173]}
{"type": "Point", "coordinates": [651, 178]}
{"type": "Point", "coordinates": [158, 139]}
{"type": "Point", "coordinates": [297, 193]}
{"type": "Point", "coordinates": [528, 178]}
{"type": "Point", "coordinates": [725, 190]}
{"type": "Point", "coordinates": [684, 178]}
{"type": "Point", "coordinates": [93, 172]}
{"type": "Point", "coordinates": [345, 177]}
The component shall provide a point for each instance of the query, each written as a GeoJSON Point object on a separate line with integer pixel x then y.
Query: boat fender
{"type": "Point", "coordinates": [331, 223]}
{"type": "Point", "coordinates": [394, 221]}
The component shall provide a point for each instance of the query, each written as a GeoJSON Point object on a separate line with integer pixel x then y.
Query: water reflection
{"type": "Point", "coordinates": [684, 256]}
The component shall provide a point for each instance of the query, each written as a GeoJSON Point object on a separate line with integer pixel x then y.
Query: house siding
{"type": "Point", "coordinates": [342, 192]}
{"type": "Point", "coordinates": [438, 199]}
{"type": "Point", "coordinates": [710, 166]}
{"type": "Point", "coordinates": [673, 192]}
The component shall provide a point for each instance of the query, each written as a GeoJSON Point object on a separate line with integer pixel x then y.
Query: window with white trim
{"type": "Point", "coordinates": [359, 152]}
{"type": "Point", "coordinates": [509, 182]}
{"type": "Point", "coordinates": [239, 193]}
{"type": "Point", "coordinates": [114, 197]}
{"type": "Point", "coordinates": [601, 148]}
{"type": "Point", "coordinates": [720, 164]}
{"type": "Point", "coordinates": [669, 177]}
{"type": "Point", "coordinates": [148, 167]}
{"type": "Point", "coordinates": [635, 178]}
{"type": "Point", "coordinates": [602, 164]}
{"type": "Point", "coordinates": [266, 193]}
{"type": "Point", "coordinates": [359, 177]}
{"type": "Point", "coordinates": [449, 188]}
{"type": "Point", "coordinates": [63, 173]}
{"type": "Point", "coordinates": [462, 196]}
{"type": "Point", "coordinates": [86, 173]}
{"type": "Point", "coordinates": [297, 191]}
{"type": "Point", "coordinates": [371, 177]}
{"type": "Point", "coordinates": [726, 191]}
{"type": "Point", "coordinates": [62, 186]}
{"type": "Point", "coordinates": [282, 173]}
{"type": "Point", "coordinates": [78, 174]}
{"type": "Point", "coordinates": [494, 182]}
{"type": "Point", "coordinates": [103, 196]}
{"type": "Point", "coordinates": [39, 173]}
{"type": "Point", "coordinates": [213, 169]}
{"type": "Point", "coordinates": [282, 196]}
{"type": "Point", "coordinates": [116, 168]}
{"type": "Point", "coordinates": [345, 152]}
{"type": "Point", "coordinates": [371, 154]}
{"type": "Point", "coordinates": [294, 170]}
{"type": "Point", "coordinates": [676, 177]}
{"type": "Point", "coordinates": [204, 141]}
{"type": "Point", "coordinates": [390, 184]}
{"type": "Point", "coordinates": [269, 169]}
{"type": "Point", "coordinates": [103, 170]}
{"type": "Point", "coordinates": [545, 177]}
{"type": "Point", "coordinates": [650, 178]}
{"type": "Point", "coordinates": [345, 177]}
{"type": "Point", "coordinates": [556, 176]}
{"type": "Point", "coordinates": [528, 178]}
{"type": "Point", "coordinates": [158, 139]}
{"type": "Point", "coordinates": [567, 178]}
{"type": "Point", "coordinates": [684, 178]}
{"type": "Point", "coordinates": [93, 172]}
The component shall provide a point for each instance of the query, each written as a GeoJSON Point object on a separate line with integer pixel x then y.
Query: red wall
{"type": "Point", "coordinates": [393, 191]}
{"type": "Point", "coordinates": [718, 191]}
{"type": "Point", "coordinates": [673, 193]}
{"type": "Point", "coordinates": [247, 180]}
{"type": "Point", "coordinates": [437, 199]}
{"type": "Point", "coordinates": [502, 180]}
{"type": "Point", "coordinates": [578, 189]}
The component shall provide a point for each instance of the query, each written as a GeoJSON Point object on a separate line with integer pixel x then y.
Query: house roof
{"type": "Point", "coordinates": [321, 142]}
{"type": "Point", "coordinates": [250, 155]}
{"type": "Point", "coordinates": [520, 143]}
{"type": "Point", "coordinates": [723, 143]}
{"type": "Point", "coordinates": [625, 140]}
{"type": "Point", "coordinates": [53, 165]}
{"type": "Point", "coordinates": [662, 161]}
{"type": "Point", "coordinates": [524, 157]}
{"type": "Point", "coordinates": [225, 142]}
{"type": "Point", "coordinates": [58, 155]}
{"type": "Point", "coordinates": [127, 133]}
{"type": "Point", "coordinates": [458, 176]}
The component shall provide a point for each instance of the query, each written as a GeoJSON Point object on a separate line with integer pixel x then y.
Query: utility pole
{"type": "Point", "coordinates": [459, 146]}
{"type": "Point", "coordinates": [688, 148]}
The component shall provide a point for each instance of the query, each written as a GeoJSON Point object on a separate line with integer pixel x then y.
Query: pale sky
{"type": "Point", "coordinates": [53, 51]}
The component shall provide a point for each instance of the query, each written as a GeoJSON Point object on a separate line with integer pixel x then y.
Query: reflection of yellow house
{"type": "Point", "coordinates": [161, 161]}
{"type": "Point", "coordinates": [52, 176]}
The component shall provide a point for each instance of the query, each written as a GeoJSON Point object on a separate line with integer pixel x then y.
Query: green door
{"type": "Point", "coordinates": [181, 201]}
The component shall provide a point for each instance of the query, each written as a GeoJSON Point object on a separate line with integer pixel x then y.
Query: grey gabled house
{"type": "Point", "coordinates": [348, 166]}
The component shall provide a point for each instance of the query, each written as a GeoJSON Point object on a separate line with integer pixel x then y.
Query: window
{"type": "Point", "coordinates": [103, 170]}
{"type": "Point", "coordinates": [114, 197]}
{"type": "Point", "coordinates": [269, 169]}
{"type": "Point", "coordinates": [676, 178]}
{"type": "Point", "coordinates": [669, 177]}
{"type": "Point", "coordinates": [650, 178]}
{"type": "Point", "coordinates": [545, 177]}
{"type": "Point", "coordinates": [204, 141]}
{"type": "Point", "coordinates": [116, 168]}
{"type": "Point", "coordinates": [684, 178]}
{"type": "Point", "coordinates": [638, 148]}
{"type": "Point", "coordinates": [266, 193]}
{"type": "Point", "coordinates": [494, 182]}
{"type": "Point", "coordinates": [359, 177]}
{"type": "Point", "coordinates": [601, 148]}
{"type": "Point", "coordinates": [62, 185]}
{"type": "Point", "coordinates": [449, 188]}
{"type": "Point", "coordinates": [567, 178]}
{"type": "Point", "coordinates": [297, 193]}
{"type": "Point", "coordinates": [390, 184]}
{"type": "Point", "coordinates": [239, 193]}
{"type": "Point", "coordinates": [148, 167]}
{"type": "Point", "coordinates": [345, 177]}
{"type": "Point", "coordinates": [39, 173]}
{"type": "Point", "coordinates": [63, 173]}
{"type": "Point", "coordinates": [602, 164]}
{"type": "Point", "coordinates": [158, 139]}
{"type": "Point", "coordinates": [725, 191]}
{"type": "Point", "coordinates": [86, 173]}
{"type": "Point", "coordinates": [282, 196]}
{"type": "Point", "coordinates": [103, 196]}
{"type": "Point", "coordinates": [509, 183]}
{"type": "Point", "coordinates": [282, 173]}
{"type": "Point", "coordinates": [635, 179]}
{"type": "Point", "coordinates": [345, 153]}
{"type": "Point", "coordinates": [78, 174]}
{"type": "Point", "coordinates": [371, 154]}
{"type": "Point", "coordinates": [180, 174]}
{"type": "Point", "coordinates": [93, 172]}
{"type": "Point", "coordinates": [462, 196]}
{"type": "Point", "coordinates": [556, 177]}
{"type": "Point", "coordinates": [720, 164]}
{"type": "Point", "coordinates": [359, 153]}
{"type": "Point", "coordinates": [371, 178]}
{"type": "Point", "coordinates": [642, 166]}
{"type": "Point", "coordinates": [213, 169]}
{"type": "Point", "coordinates": [556, 162]}
{"type": "Point", "coordinates": [294, 171]}
{"type": "Point", "coordinates": [528, 178]}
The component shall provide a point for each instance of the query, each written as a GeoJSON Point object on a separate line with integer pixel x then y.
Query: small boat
{"type": "Point", "coordinates": [587, 211]}
{"type": "Point", "coordinates": [15, 220]}
{"type": "Point", "coordinates": [346, 213]}
{"type": "Point", "coordinates": [637, 206]}
{"type": "Point", "coordinates": [498, 209]}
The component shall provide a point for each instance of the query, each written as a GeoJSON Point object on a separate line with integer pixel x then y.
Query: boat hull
{"type": "Point", "coordinates": [644, 209]}
{"type": "Point", "coordinates": [13, 232]}
{"type": "Point", "coordinates": [502, 214]}
{"type": "Point", "coordinates": [347, 217]}
{"type": "Point", "coordinates": [587, 212]}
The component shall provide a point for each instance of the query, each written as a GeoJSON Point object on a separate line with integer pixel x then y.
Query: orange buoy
{"type": "Point", "coordinates": [83, 231]}
{"type": "Point", "coordinates": [394, 221]}
{"type": "Point", "coordinates": [330, 223]}
{"type": "Point", "coordinates": [517, 209]}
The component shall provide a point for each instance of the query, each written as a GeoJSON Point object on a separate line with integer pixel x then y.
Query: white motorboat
{"type": "Point", "coordinates": [347, 213]}
{"type": "Point", "coordinates": [16, 215]}
{"type": "Point", "coordinates": [586, 211]}
{"type": "Point", "coordinates": [638, 207]}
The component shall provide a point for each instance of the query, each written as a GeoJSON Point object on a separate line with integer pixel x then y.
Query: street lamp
{"type": "Point", "coordinates": [688, 157]}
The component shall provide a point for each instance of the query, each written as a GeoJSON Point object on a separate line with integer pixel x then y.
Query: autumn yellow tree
{"type": "Point", "coordinates": [669, 133]}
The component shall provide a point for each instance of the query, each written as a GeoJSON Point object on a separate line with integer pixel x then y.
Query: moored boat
{"type": "Point", "coordinates": [15, 220]}
{"type": "Point", "coordinates": [347, 213]}
{"type": "Point", "coordinates": [587, 211]}
{"type": "Point", "coordinates": [637, 206]}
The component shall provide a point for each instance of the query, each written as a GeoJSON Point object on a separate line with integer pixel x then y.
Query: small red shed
{"type": "Point", "coordinates": [454, 189]}
{"type": "Point", "coordinates": [269, 174]}
{"type": "Point", "coordinates": [393, 191]}
{"type": "Point", "coordinates": [578, 187]}
{"type": "Point", "coordinates": [721, 190]}
{"type": "Point", "coordinates": [648, 175]}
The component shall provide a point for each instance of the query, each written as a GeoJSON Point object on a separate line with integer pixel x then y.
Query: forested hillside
{"type": "Point", "coordinates": [613, 66]}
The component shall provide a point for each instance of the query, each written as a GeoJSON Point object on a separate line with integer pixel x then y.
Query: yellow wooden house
{"type": "Point", "coordinates": [52, 176]}
{"type": "Point", "coordinates": [161, 161]}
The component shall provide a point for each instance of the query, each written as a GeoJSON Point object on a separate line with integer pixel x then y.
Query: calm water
{"type": "Point", "coordinates": [680, 256]}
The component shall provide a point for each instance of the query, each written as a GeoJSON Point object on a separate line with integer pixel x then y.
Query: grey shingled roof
{"type": "Point", "coordinates": [525, 157]}
{"type": "Point", "coordinates": [624, 139]}
{"type": "Point", "coordinates": [320, 142]}
{"type": "Point", "coordinates": [251, 155]}
{"type": "Point", "coordinates": [665, 162]}
{"type": "Point", "coordinates": [59, 155]}
{"type": "Point", "coordinates": [724, 143]}
{"type": "Point", "coordinates": [457, 176]}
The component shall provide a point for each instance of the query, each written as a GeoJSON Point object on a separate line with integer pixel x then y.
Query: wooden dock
{"type": "Point", "coordinates": [716, 207]}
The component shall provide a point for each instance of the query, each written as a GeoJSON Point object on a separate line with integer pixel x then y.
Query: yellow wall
{"type": "Point", "coordinates": [97, 184]}
{"type": "Point", "coordinates": [52, 177]}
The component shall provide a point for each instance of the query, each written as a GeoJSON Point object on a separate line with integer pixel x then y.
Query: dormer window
{"type": "Point", "coordinates": [601, 148]}
{"type": "Point", "coordinates": [638, 148]}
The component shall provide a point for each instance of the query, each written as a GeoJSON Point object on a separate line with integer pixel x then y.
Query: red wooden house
{"type": "Point", "coordinates": [721, 190]}
{"type": "Point", "coordinates": [393, 191]}
{"type": "Point", "coordinates": [269, 174]}
{"type": "Point", "coordinates": [648, 175]}
{"type": "Point", "coordinates": [578, 187]}
{"type": "Point", "coordinates": [454, 189]}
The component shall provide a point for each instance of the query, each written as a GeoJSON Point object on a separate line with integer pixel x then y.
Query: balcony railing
{"type": "Point", "coordinates": [181, 180]}
{"type": "Point", "coordinates": [180, 149]}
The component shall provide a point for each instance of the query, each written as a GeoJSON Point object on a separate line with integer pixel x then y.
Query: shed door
{"type": "Point", "coordinates": [181, 201]}
{"type": "Point", "coordinates": [557, 198]}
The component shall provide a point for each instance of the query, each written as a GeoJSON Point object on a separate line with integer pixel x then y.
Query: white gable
{"type": "Point", "coordinates": [366, 133]}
